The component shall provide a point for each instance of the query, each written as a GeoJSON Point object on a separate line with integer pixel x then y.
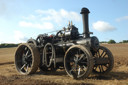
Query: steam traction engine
{"type": "Point", "coordinates": [78, 54]}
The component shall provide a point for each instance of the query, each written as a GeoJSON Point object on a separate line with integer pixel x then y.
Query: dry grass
{"type": "Point", "coordinates": [120, 53]}
{"type": "Point", "coordinates": [118, 76]}
{"type": "Point", "coordinates": [7, 55]}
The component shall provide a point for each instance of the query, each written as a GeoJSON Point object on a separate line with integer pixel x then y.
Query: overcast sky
{"type": "Point", "coordinates": [22, 19]}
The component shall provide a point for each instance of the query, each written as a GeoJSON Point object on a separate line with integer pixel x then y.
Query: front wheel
{"type": "Point", "coordinates": [104, 61]}
{"type": "Point", "coordinates": [78, 62]}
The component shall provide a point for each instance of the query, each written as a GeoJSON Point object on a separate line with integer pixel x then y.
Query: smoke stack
{"type": "Point", "coordinates": [85, 12]}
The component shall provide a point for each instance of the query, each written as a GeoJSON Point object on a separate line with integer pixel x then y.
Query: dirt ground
{"type": "Point", "coordinates": [118, 76]}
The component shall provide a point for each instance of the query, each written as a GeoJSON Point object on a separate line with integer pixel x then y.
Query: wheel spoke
{"type": "Point", "coordinates": [30, 64]}
{"type": "Point", "coordinates": [102, 68]}
{"type": "Point", "coordinates": [99, 53]}
{"type": "Point", "coordinates": [85, 68]}
{"type": "Point", "coordinates": [27, 68]}
{"type": "Point", "coordinates": [79, 71]}
{"type": "Point", "coordinates": [29, 55]}
{"type": "Point", "coordinates": [95, 67]}
{"type": "Point", "coordinates": [96, 54]}
{"type": "Point", "coordinates": [23, 66]}
{"type": "Point", "coordinates": [102, 53]}
{"type": "Point", "coordinates": [99, 68]}
{"type": "Point", "coordinates": [81, 57]}
{"type": "Point", "coordinates": [72, 69]}
{"type": "Point", "coordinates": [27, 52]}
{"type": "Point", "coordinates": [25, 48]}
{"type": "Point", "coordinates": [106, 66]}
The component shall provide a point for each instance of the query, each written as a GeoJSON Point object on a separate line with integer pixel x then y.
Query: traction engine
{"type": "Point", "coordinates": [79, 54]}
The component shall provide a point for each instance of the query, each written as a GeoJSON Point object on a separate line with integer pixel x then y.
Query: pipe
{"type": "Point", "coordinates": [85, 12]}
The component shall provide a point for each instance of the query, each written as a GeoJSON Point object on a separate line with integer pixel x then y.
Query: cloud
{"type": "Point", "coordinates": [103, 26]}
{"type": "Point", "coordinates": [30, 17]}
{"type": "Point", "coordinates": [45, 25]}
{"type": "Point", "coordinates": [19, 37]}
{"type": "Point", "coordinates": [44, 19]}
{"type": "Point", "coordinates": [122, 18]}
{"type": "Point", "coordinates": [58, 16]}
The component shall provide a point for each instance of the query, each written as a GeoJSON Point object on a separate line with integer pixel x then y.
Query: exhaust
{"type": "Point", "coordinates": [85, 12]}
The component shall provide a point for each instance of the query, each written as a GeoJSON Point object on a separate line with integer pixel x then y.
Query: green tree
{"type": "Point", "coordinates": [103, 42]}
{"type": "Point", "coordinates": [111, 42]}
{"type": "Point", "coordinates": [6, 45]}
{"type": "Point", "coordinates": [125, 41]}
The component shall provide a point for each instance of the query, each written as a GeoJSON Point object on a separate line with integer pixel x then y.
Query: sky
{"type": "Point", "coordinates": [23, 19]}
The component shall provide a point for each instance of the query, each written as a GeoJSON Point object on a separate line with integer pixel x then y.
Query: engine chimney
{"type": "Point", "coordinates": [85, 12]}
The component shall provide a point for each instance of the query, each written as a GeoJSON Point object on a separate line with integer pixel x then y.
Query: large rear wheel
{"type": "Point", "coordinates": [78, 62]}
{"type": "Point", "coordinates": [27, 59]}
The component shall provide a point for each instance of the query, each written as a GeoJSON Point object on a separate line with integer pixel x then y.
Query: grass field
{"type": "Point", "coordinates": [118, 76]}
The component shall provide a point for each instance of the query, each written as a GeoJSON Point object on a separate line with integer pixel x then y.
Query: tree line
{"type": "Point", "coordinates": [113, 41]}
{"type": "Point", "coordinates": [7, 45]}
